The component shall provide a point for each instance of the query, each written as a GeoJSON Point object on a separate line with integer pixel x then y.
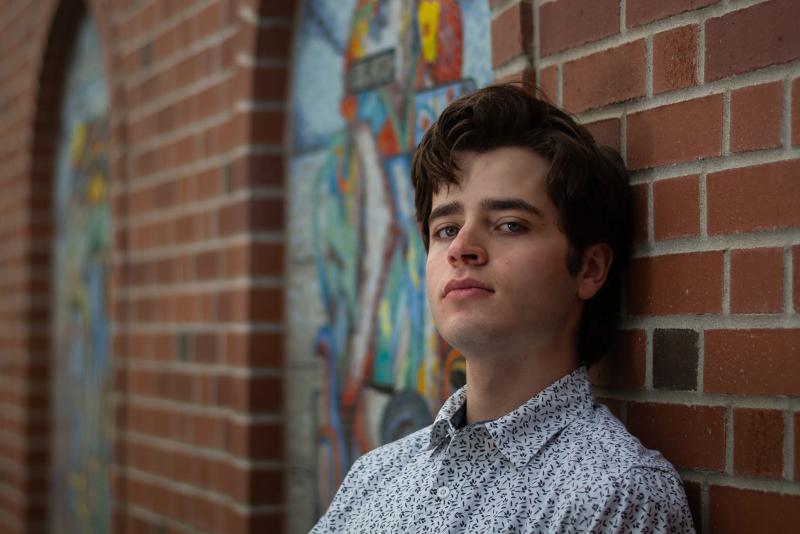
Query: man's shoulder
{"type": "Point", "coordinates": [600, 444]}
{"type": "Point", "coordinates": [610, 473]}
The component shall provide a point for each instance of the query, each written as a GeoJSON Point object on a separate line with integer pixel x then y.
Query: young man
{"type": "Point", "coordinates": [527, 225]}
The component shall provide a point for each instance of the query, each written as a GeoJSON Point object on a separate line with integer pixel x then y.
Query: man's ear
{"type": "Point", "coordinates": [595, 265]}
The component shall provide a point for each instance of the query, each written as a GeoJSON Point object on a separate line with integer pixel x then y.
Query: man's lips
{"type": "Point", "coordinates": [465, 287]}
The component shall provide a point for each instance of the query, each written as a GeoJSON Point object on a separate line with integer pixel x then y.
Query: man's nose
{"type": "Point", "coordinates": [467, 248]}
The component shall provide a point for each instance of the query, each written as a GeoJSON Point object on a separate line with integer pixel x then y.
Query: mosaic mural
{"type": "Point", "coordinates": [80, 477]}
{"type": "Point", "coordinates": [370, 76]}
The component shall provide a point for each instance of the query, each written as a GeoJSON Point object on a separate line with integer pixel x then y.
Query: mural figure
{"type": "Point", "coordinates": [80, 478]}
{"type": "Point", "coordinates": [400, 63]}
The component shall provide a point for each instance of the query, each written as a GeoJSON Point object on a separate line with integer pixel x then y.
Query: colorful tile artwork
{"type": "Point", "coordinates": [370, 77]}
{"type": "Point", "coordinates": [81, 377]}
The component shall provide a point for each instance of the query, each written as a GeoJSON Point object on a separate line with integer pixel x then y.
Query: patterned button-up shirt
{"type": "Point", "coordinates": [558, 463]}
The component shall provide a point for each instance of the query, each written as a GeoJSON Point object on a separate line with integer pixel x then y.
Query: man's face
{"type": "Point", "coordinates": [496, 267]}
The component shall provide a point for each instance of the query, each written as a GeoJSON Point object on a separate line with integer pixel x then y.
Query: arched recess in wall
{"type": "Point", "coordinates": [364, 363]}
{"type": "Point", "coordinates": [71, 155]}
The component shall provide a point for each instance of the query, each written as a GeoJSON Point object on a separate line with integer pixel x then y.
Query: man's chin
{"type": "Point", "coordinates": [470, 336]}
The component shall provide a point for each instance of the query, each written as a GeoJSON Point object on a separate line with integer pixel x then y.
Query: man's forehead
{"type": "Point", "coordinates": [443, 190]}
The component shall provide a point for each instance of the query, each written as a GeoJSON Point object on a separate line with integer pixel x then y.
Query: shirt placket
{"type": "Point", "coordinates": [452, 470]}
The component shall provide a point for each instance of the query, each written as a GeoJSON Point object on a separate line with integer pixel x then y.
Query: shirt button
{"type": "Point", "coordinates": [442, 492]}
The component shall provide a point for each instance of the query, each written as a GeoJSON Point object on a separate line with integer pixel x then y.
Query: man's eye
{"type": "Point", "coordinates": [446, 232]}
{"type": "Point", "coordinates": [512, 227]}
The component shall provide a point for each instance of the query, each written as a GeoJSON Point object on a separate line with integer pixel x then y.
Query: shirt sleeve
{"type": "Point", "coordinates": [643, 500]}
{"type": "Point", "coordinates": [335, 518]}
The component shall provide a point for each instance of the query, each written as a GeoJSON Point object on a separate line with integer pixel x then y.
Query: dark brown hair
{"type": "Point", "coordinates": [587, 183]}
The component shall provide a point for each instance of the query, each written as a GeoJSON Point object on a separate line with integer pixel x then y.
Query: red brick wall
{"type": "Point", "coordinates": [197, 114]}
{"type": "Point", "coordinates": [702, 98]}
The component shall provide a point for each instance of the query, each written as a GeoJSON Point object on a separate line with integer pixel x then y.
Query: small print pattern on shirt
{"type": "Point", "coordinates": [558, 463]}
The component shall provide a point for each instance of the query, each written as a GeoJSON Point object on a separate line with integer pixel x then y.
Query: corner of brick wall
{"type": "Point", "coordinates": [702, 99]}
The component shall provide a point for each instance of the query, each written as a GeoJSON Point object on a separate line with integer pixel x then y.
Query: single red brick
{"type": "Point", "coordinates": [605, 132]}
{"type": "Point", "coordinates": [675, 357]}
{"type": "Point", "coordinates": [258, 393]}
{"type": "Point", "coordinates": [266, 304]}
{"type": "Point", "coordinates": [624, 366]}
{"type": "Point", "coordinates": [796, 112]}
{"type": "Point", "coordinates": [231, 306]}
{"type": "Point", "coordinates": [570, 23]}
{"type": "Point", "coordinates": [756, 117]}
{"type": "Point", "coordinates": [266, 126]}
{"type": "Point", "coordinates": [751, 38]}
{"type": "Point", "coordinates": [256, 441]}
{"type": "Point", "coordinates": [237, 260]}
{"type": "Point", "coordinates": [262, 485]}
{"type": "Point", "coordinates": [763, 197]}
{"type": "Point", "coordinates": [640, 12]}
{"type": "Point", "coordinates": [688, 436]}
{"type": "Point", "coordinates": [512, 33]}
{"type": "Point", "coordinates": [204, 430]}
{"type": "Point", "coordinates": [758, 442]}
{"type": "Point", "coordinates": [255, 349]}
{"type": "Point", "coordinates": [265, 485]}
{"type": "Point", "coordinates": [676, 284]}
{"type": "Point", "coordinates": [742, 511]}
{"type": "Point", "coordinates": [676, 132]}
{"type": "Point", "coordinates": [757, 280]}
{"type": "Point", "coordinates": [267, 259]}
{"type": "Point", "coordinates": [276, 9]}
{"type": "Point", "coordinates": [207, 265]}
{"type": "Point", "coordinates": [271, 41]}
{"type": "Point", "coordinates": [675, 59]}
{"type": "Point", "coordinates": [676, 203]}
{"type": "Point", "coordinates": [218, 475]}
{"type": "Point", "coordinates": [609, 76]}
{"type": "Point", "coordinates": [264, 214]}
{"type": "Point", "coordinates": [752, 362]}
{"type": "Point", "coordinates": [145, 383]}
{"type": "Point", "coordinates": [796, 277]}
{"type": "Point", "coordinates": [548, 83]}
{"type": "Point", "coordinates": [257, 170]}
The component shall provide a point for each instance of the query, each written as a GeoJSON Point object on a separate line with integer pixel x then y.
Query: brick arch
{"type": "Point", "coordinates": [49, 33]}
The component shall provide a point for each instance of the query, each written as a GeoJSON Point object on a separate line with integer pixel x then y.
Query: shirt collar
{"type": "Point", "coordinates": [520, 434]}
{"type": "Point", "coordinates": [446, 421]}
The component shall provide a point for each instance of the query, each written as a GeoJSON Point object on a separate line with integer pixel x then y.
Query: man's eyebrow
{"type": "Point", "coordinates": [443, 210]}
{"type": "Point", "coordinates": [509, 204]}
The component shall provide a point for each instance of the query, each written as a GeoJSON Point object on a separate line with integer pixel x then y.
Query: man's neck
{"type": "Point", "coordinates": [500, 383]}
